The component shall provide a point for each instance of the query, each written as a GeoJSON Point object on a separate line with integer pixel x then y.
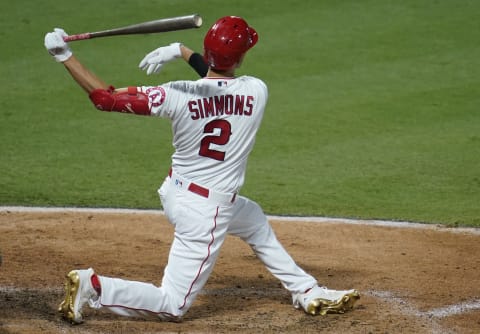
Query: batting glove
{"type": "Point", "coordinates": [154, 61]}
{"type": "Point", "coordinates": [56, 46]}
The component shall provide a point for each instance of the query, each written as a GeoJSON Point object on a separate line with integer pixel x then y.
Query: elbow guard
{"type": "Point", "coordinates": [130, 101]}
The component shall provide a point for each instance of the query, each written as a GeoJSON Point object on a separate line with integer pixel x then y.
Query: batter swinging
{"type": "Point", "coordinates": [214, 121]}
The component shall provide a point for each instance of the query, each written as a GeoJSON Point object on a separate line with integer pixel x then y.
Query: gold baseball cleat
{"type": "Point", "coordinates": [78, 290]}
{"type": "Point", "coordinates": [323, 306]}
{"type": "Point", "coordinates": [320, 300]}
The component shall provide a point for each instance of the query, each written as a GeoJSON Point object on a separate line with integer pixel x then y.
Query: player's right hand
{"type": "Point", "coordinates": [56, 46]}
{"type": "Point", "coordinates": [153, 62]}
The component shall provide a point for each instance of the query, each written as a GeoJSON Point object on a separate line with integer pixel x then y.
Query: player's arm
{"type": "Point", "coordinates": [107, 98]}
{"type": "Point", "coordinates": [83, 76]}
{"type": "Point", "coordinates": [195, 60]}
{"type": "Point", "coordinates": [104, 97]}
{"type": "Point", "coordinates": [154, 61]}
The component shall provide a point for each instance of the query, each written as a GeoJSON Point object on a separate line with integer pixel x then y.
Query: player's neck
{"type": "Point", "coordinates": [220, 74]}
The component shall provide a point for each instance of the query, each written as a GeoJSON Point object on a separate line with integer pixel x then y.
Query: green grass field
{"type": "Point", "coordinates": [374, 108]}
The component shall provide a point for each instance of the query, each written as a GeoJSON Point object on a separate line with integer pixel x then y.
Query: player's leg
{"type": "Point", "coordinates": [200, 229]}
{"type": "Point", "coordinates": [251, 224]}
{"type": "Point", "coordinates": [199, 235]}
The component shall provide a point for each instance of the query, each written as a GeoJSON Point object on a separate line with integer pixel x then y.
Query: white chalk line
{"type": "Point", "coordinates": [440, 312]}
{"type": "Point", "coordinates": [430, 316]}
{"type": "Point", "coordinates": [447, 311]}
{"type": "Point", "coordinates": [314, 219]}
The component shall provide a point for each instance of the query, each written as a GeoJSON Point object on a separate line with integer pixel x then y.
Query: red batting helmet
{"type": "Point", "coordinates": [227, 41]}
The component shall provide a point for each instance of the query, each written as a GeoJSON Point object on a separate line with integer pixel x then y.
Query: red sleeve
{"type": "Point", "coordinates": [131, 101]}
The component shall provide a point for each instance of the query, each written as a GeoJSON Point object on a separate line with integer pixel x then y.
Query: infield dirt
{"type": "Point", "coordinates": [411, 280]}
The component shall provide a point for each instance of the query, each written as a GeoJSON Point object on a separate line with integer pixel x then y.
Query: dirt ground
{"type": "Point", "coordinates": [422, 280]}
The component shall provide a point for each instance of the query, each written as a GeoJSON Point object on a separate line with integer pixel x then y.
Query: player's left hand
{"type": "Point", "coordinates": [153, 62]}
{"type": "Point", "coordinates": [56, 46]}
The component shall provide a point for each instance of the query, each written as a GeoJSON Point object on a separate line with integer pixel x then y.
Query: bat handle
{"type": "Point", "coordinates": [77, 37]}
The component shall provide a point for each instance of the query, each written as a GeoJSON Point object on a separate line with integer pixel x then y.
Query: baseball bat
{"type": "Point", "coordinates": [161, 25]}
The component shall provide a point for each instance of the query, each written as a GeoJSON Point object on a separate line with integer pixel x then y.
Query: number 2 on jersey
{"type": "Point", "coordinates": [221, 138]}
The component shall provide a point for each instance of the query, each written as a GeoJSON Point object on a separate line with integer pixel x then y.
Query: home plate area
{"type": "Point", "coordinates": [412, 278]}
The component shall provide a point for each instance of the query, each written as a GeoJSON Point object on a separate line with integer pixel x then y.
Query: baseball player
{"type": "Point", "coordinates": [214, 121]}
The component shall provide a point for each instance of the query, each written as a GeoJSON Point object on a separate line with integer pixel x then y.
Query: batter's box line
{"type": "Point", "coordinates": [441, 312]}
{"type": "Point", "coordinates": [447, 311]}
{"type": "Point", "coordinates": [428, 317]}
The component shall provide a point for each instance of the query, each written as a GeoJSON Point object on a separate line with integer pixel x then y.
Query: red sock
{"type": "Point", "coordinates": [96, 284]}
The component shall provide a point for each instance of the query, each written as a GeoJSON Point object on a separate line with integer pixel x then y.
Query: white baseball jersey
{"type": "Point", "coordinates": [214, 123]}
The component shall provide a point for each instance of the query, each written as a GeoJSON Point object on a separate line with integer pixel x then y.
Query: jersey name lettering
{"type": "Point", "coordinates": [241, 105]}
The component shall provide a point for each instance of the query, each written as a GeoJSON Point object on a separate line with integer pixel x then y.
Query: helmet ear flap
{"type": "Point", "coordinates": [253, 37]}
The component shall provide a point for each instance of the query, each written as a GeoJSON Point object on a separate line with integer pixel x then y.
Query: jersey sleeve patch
{"type": "Point", "coordinates": [156, 96]}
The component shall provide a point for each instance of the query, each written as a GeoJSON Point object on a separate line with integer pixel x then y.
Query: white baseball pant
{"type": "Point", "coordinates": [201, 225]}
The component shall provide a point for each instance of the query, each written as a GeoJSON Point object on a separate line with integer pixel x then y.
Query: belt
{"type": "Point", "coordinates": [201, 191]}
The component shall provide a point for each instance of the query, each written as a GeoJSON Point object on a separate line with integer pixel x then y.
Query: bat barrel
{"type": "Point", "coordinates": [161, 25]}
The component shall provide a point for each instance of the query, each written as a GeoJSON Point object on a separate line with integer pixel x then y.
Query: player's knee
{"type": "Point", "coordinates": [170, 317]}
{"type": "Point", "coordinates": [182, 309]}
{"type": "Point", "coordinates": [262, 234]}
{"type": "Point", "coordinates": [176, 309]}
